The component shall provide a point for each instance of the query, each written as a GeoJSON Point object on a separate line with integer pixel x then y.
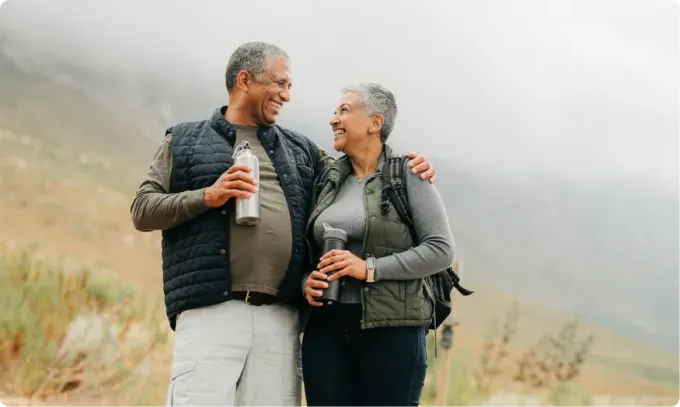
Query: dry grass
{"type": "Point", "coordinates": [547, 372]}
{"type": "Point", "coordinates": [69, 335]}
{"type": "Point", "coordinates": [559, 369]}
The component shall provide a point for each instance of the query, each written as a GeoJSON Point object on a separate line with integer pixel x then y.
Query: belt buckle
{"type": "Point", "coordinates": [247, 297]}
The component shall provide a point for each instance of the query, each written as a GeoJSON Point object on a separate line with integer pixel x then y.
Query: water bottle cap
{"type": "Point", "coordinates": [241, 148]}
{"type": "Point", "coordinates": [331, 232]}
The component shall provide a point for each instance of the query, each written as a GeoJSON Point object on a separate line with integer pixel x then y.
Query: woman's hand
{"type": "Point", "coordinates": [314, 281]}
{"type": "Point", "coordinates": [345, 262]}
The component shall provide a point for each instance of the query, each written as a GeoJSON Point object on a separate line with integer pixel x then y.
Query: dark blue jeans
{"type": "Point", "coordinates": [343, 365]}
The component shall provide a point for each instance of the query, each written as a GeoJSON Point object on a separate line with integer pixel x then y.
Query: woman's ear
{"type": "Point", "coordinates": [376, 123]}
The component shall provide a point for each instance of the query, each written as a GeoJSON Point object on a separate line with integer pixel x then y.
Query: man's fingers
{"type": "Point", "coordinates": [420, 167]}
{"type": "Point", "coordinates": [433, 179]}
{"type": "Point", "coordinates": [241, 185]}
{"type": "Point", "coordinates": [238, 167]}
{"type": "Point", "coordinates": [235, 193]}
{"type": "Point", "coordinates": [415, 159]}
{"type": "Point", "coordinates": [427, 174]}
{"type": "Point", "coordinates": [242, 176]}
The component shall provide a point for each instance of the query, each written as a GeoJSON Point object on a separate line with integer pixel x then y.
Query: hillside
{"type": "Point", "coordinates": [64, 116]}
{"type": "Point", "coordinates": [606, 252]}
{"type": "Point", "coordinates": [69, 177]}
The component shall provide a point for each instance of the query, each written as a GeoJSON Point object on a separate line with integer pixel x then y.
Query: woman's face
{"type": "Point", "coordinates": [349, 123]}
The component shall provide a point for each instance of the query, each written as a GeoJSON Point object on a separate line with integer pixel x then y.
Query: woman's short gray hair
{"type": "Point", "coordinates": [376, 99]}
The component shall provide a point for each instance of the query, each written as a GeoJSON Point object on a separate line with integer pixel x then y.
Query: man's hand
{"type": "Point", "coordinates": [419, 164]}
{"type": "Point", "coordinates": [315, 281]}
{"type": "Point", "coordinates": [234, 183]}
{"type": "Point", "coordinates": [343, 260]}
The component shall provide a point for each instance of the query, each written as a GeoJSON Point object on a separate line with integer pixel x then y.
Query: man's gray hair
{"type": "Point", "coordinates": [252, 57]}
{"type": "Point", "coordinates": [376, 99]}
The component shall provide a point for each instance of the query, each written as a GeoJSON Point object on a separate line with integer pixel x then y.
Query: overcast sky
{"type": "Point", "coordinates": [585, 87]}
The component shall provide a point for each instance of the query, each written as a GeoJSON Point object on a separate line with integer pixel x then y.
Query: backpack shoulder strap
{"type": "Point", "coordinates": [394, 189]}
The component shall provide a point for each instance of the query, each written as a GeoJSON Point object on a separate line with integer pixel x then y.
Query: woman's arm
{"type": "Point", "coordinates": [431, 223]}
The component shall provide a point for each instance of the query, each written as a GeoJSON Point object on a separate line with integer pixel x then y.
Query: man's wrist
{"type": "Point", "coordinates": [210, 198]}
{"type": "Point", "coordinates": [205, 194]}
{"type": "Point", "coordinates": [196, 203]}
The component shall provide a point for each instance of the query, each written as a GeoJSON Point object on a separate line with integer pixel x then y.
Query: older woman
{"type": "Point", "coordinates": [369, 348]}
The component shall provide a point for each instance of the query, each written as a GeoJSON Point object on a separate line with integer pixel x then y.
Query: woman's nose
{"type": "Point", "coordinates": [334, 120]}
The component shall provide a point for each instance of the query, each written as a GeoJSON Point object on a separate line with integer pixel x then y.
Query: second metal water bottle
{"type": "Point", "coordinates": [248, 209]}
{"type": "Point", "coordinates": [333, 239]}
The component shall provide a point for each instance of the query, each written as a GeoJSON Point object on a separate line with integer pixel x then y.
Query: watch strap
{"type": "Point", "coordinates": [370, 267]}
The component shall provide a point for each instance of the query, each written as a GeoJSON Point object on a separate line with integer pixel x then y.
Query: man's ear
{"type": "Point", "coordinates": [376, 123]}
{"type": "Point", "coordinates": [243, 81]}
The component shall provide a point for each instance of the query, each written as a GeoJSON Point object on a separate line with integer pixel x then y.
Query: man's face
{"type": "Point", "coordinates": [269, 92]}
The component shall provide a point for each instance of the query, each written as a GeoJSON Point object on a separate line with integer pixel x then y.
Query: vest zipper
{"type": "Point", "coordinates": [363, 249]}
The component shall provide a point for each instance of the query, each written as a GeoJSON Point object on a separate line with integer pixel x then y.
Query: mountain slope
{"type": "Point", "coordinates": [63, 115]}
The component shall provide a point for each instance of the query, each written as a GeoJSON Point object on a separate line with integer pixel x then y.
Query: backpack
{"type": "Point", "coordinates": [441, 283]}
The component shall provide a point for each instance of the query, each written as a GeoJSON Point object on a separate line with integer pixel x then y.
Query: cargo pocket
{"type": "Point", "coordinates": [179, 382]}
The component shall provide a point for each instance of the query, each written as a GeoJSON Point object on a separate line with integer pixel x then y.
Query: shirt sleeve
{"type": "Point", "coordinates": [323, 160]}
{"type": "Point", "coordinates": [154, 207]}
{"type": "Point", "coordinates": [435, 249]}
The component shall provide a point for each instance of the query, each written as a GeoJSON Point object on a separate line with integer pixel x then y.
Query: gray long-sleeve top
{"type": "Point", "coordinates": [434, 252]}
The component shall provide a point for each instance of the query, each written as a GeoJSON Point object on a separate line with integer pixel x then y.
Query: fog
{"type": "Point", "coordinates": [580, 89]}
{"type": "Point", "coordinates": [553, 124]}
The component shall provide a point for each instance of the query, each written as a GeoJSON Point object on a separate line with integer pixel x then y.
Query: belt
{"type": "Point", "coordinates": [255, 298]}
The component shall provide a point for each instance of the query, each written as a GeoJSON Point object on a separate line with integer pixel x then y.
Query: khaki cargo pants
{"type": "Point", "coordinates": [236, 354]}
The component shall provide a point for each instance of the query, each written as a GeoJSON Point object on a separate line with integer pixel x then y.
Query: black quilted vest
{"type": "Point", "coordinates": [196, 269]}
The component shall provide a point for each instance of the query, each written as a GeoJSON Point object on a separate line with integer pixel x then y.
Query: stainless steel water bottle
{"type": "Point", "coordinates": [333, 239]}
{"type": "Point", "coordinates": [248, 209]}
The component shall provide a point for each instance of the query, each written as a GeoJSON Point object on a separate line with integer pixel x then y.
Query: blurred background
{"type": "Point", "coordinates": [553, 127]}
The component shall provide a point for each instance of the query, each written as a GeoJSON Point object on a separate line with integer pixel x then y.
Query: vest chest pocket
{"type": "Point", "coordinates": [392, 236]}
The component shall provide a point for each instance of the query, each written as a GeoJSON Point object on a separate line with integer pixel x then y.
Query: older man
{"type": "Point", "coordinates": [232, 292]}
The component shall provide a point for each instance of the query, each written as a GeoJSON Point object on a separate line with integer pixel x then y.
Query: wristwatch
{"type": "Point", "coordinates": [370, 268]}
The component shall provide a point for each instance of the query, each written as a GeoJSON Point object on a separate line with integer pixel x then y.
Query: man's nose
{"type": "Point", "coordinates": [285, 95]}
